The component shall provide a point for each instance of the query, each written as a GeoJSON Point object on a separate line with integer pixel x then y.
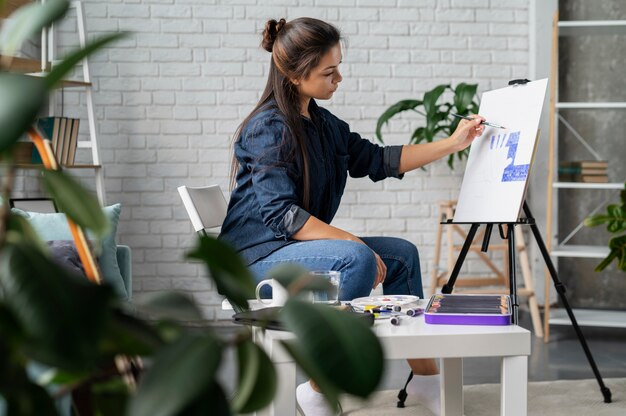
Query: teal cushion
{"type": "Point", "coordinates": [52, 227]}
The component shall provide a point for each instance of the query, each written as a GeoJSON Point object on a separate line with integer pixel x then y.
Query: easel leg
{"type": "Point", "coordinates": [512, 274]}
{"type": "Point", "coordinates": [560, 290]}
{"type": "Point", "coordinates": [450, 239]}
{"type": "Point", "coordinates": [449, 286]}
{"type": "Point", "coordinates": [434, 276]}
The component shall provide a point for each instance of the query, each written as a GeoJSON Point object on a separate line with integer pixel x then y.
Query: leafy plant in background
{"type": "Point", "coordinates": [77, 329]}
{"type": "Point", "coordinates": [615, 220]}
{"type": "Point", "coordinates": [439, 122]}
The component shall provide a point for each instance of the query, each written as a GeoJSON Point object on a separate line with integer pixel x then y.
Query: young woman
{"type": "Point", "coordinates": [291, 161]}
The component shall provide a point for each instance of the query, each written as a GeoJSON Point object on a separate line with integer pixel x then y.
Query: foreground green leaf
{"type": "Point", "coordinates": [19, 229]}
{"type": "Point", "coordinates": [168, 305]}
{"type": "Point", "coordinates": [37, 289]}
{"type": "Point", "coordinates": [309, 366]}
{"type": "Point", "coordinates": [211, 402]}
{"type": "Point", "coordinates": [21, 395]}
{"type": "Point", "coordinates": [27, 21]}
{"type": "Point", "coordinates": [29, 399]}
{"type": "Point", "coordinates": [110, 398]}
{"type": "Point", "coordinates": [180, 373]}
{"type": "Point", "coordinates": [257, 379]}
{"type": "Point", "coordinates": [65, 67]}
{"type": "Point", "coordinates": [231, 276]}
{"type": "Point", "coordinates": [296, 279]}
{"type": "Point", "coordinates": [22, 99]}
{"type": "Point", "coordinates": [75, 201]}
{"type": "Point", "coordinates": [126, 334]}
{"type": "Point", "coordinates": [342, 346]}
{"type": "Point", "coordinates": [55, 376]}
{"type": "Point", "coordinates": [10, 329]}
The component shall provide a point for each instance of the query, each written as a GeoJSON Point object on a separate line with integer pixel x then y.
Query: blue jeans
{"type": "Point", "coordinates": [356, 263]}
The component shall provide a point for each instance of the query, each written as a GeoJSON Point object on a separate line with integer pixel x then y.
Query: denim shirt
{"type": "Point", "coordinates": [266, 206]}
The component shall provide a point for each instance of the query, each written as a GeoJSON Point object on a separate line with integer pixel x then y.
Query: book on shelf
{"type": "Point", "coordinates": [49, 129]}
{"type": "Point", "coordinates": [576, 170]}
{"type": "Point", "coordinates": [70, 156]}
{"type": "Point", "coordinates": [583, 178]}
{"type": "Point", "coordinates": [63, 135]}
{"type": "Point", "coordinates": [57, 147]}
{"type": "Point", "coordinates": [65, 144]}
{"type": "Point", "coordinates": [584, 164]}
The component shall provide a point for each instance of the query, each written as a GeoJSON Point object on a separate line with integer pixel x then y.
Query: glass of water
{"type": "Point", "coordinates": [331, 295]}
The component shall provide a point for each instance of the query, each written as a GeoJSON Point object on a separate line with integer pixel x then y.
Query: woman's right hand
{"type": "Point", "coordinates": [467, 131]}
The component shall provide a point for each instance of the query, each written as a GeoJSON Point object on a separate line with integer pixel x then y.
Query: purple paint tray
{"type": "Point", "coordinates": [464, 309]}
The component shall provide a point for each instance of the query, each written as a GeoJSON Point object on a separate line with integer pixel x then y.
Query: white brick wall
{"type": "Point", "coordinates": [170, 95]}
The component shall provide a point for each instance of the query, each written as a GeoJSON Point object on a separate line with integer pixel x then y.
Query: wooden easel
{"type": "Point", "coordinates": [439, 276]}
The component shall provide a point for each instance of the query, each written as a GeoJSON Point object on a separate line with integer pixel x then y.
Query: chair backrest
{"type": "Point", "coordinates": [205, 205]}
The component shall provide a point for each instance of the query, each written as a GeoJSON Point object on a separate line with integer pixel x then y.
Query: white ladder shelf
{"type": "Point", "coordinates": [48, 55]}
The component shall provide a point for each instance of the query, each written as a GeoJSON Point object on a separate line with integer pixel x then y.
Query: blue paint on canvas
{"type": "Point", "coordinates": [512, 172]}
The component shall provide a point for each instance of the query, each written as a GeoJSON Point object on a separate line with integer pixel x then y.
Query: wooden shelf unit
{"type": "Point", "coordinates": [587, 317]}
{"type": "Point", "coordinates": [35, 68]}
{"type": "Point", "coordinates": [84, 85]}
{"type": "Point", "coordinates": [22, 65]}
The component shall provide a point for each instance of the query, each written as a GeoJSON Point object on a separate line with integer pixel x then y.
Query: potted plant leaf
{"type": "Point", "coordinates": [74, 333]}
{"type": "Point", "coordinates": [437, 114]}
{"type": "Point", "coordinates": [615, 220]}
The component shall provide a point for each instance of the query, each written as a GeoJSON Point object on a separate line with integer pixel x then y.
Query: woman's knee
{"type": "Point", "coordinates": [405, 250]}
{"type": "Point", "coordinates": [359, 271]}
{"type": "Point", "coordinates": [360, 256]}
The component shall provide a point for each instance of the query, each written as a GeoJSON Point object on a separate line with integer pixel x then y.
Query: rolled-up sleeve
{"type": "Point", "coordinates": [370, 159]}
{"type": "Point", "coordinates": [274, 180]}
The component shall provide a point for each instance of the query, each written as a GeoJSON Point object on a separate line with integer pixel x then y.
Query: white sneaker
{"type": "Point", "coordinates": [312, 403]}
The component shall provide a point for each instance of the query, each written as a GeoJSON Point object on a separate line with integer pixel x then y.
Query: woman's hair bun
{"type": "Point", "coordinates": [272, 27]}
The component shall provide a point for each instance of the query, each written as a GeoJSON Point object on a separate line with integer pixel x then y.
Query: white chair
{"type": "Point", "coordinates": [206, 207]}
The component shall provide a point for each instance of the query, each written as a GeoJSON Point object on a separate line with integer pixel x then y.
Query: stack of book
{"type": "Point", "coordinates": [63, 133]}
{"type": "Point", "coordinates": [594, 171]}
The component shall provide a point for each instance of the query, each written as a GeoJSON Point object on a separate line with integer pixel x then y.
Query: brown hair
{"type": "Point", "coordinates": [297, 47]}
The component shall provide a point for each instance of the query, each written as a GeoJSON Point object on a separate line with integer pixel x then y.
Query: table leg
{"type": "Point", "coordinates": [285, 400]}
{"type": "Point", "coordinates": [451, 387]}
{"type": "Point", "coordinates": [514, 386]}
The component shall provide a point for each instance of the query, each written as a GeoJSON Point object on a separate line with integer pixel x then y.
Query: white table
{"type": "Point", "coordinates": [414, 338]}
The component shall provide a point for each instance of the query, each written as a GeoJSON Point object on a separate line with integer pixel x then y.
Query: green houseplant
{"type": "Point", "coordinates": [77, 329]}
{"type": "Point", "coordinates": [439, 122]}
{"type": "Point", "coordinates": [615, 220]}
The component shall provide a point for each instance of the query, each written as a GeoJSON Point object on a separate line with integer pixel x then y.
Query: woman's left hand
{"type": "Point", "coordinates": [467, 131]}
{"type": "Point", "coordinates": [381, 271]}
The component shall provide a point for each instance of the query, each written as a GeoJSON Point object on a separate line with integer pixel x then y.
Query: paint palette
{"type": "Point", "coordinates": [360, 304]}
{"type": "Point", "coordinates": [469, 310]}
{"type": "Point", "coordinates": [400, 300]}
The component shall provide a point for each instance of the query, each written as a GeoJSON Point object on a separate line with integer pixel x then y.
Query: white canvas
{"type": "Point", "coordinates": [499, 162]}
